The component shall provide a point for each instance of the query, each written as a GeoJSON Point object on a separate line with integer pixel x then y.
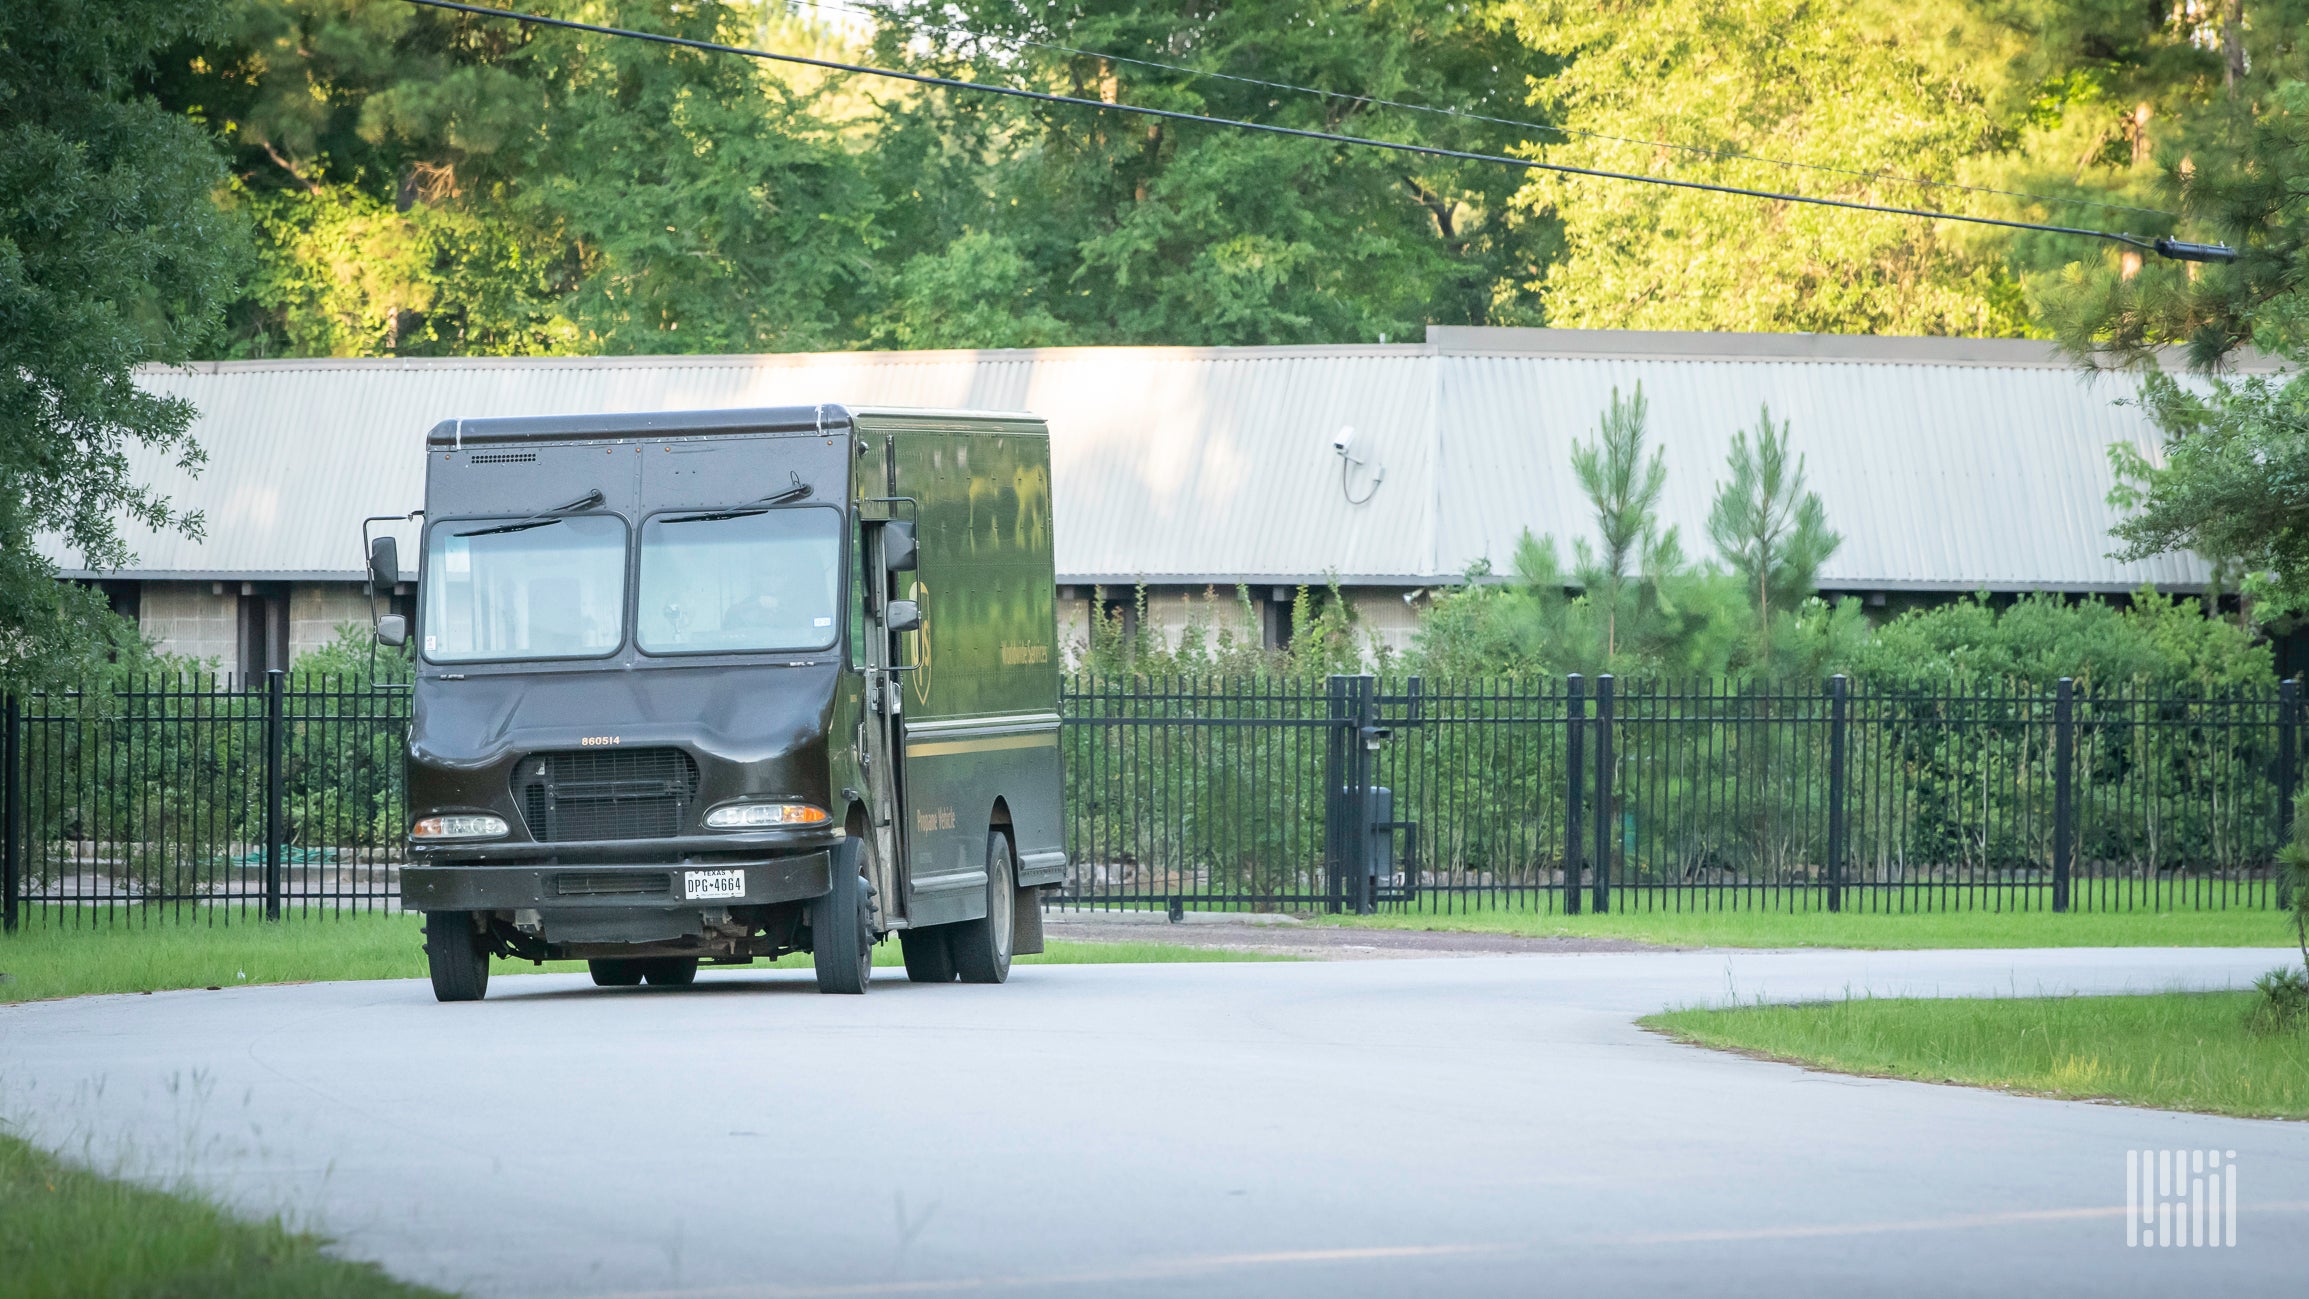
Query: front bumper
{"type": "Point", "coordinates": [608, 885]}
{"type": "Point", "coordinates": [745, 845]}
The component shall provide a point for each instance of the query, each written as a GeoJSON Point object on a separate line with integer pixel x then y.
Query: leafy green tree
{"type": "Point", "coordinates": [1139, 232]}
{"type": "Point", "coordinates": [111, 255]}
{"type": "Point", "coordinates": [442, 183]}
{"type": "Point", "coordinates": [1769, 530]}
{"type": "Point", "coordinates": [1849, 86]}
{"type": "Point", "coordinates": [2235, 482]}
{"type": "Point", "coordinates": [2070, 99]}
{"type": "Point", "coordinates": [2232, 170]}
{"type": "Point", "coordinates": [978, 291]}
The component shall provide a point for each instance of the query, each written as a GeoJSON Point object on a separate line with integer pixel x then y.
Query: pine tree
{"type": "Point", "coordinates": [1767, 527]}
{"type": "Point", "coordinates": [1624, 488]}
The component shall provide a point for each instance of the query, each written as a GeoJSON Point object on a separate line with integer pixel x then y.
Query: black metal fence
{"type": "Point", "coordinates": [232, 799]}
{"type": "Point", "coordinates": [1568, 794]}
{"type": "Point", "coordinates": [238, 797]}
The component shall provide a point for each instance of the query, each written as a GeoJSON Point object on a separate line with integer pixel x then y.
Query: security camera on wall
{"type": "Point", "coordinates": [1343, 444]}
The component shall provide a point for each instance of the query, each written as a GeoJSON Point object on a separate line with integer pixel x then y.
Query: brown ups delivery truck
{"type": "Point", "coordinates": [722, 685]}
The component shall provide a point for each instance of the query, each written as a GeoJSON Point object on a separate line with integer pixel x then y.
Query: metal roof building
{"type": "Point", "coordinates": [1949, 465]}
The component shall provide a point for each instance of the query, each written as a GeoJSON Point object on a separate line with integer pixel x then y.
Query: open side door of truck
{"type": "Point", "coordinates": [885, 548]}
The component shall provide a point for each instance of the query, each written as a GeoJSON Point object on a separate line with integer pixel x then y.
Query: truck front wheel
{"type": "Point", "coordinates": [842, 927]}
{"type": "Point", "coordinates": [455, 957]}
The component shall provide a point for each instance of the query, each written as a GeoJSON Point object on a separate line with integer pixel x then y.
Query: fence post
{"type": "Point", "coordinates": [1606, 824]}
{"type": "Point", "coordinates": [275, 701]}
{"type": "Point", "coordinates": [1575, 780]}
{"type": "Point", "coordinates": [11, 811]}
{"type": "Point", "coordinates": [2063, 789]}
{"type": "Point", "coordinates": [1839, 699]}
{"type": "Point", "coordinates": [2288, 772]}
{"type": "Point", "coordinates": [1335, 776]}
{"type": "Point", "coordinates": [1366, 723]}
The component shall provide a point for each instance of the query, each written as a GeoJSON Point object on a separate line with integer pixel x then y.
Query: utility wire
{"type": "Point", "coordinates": [865, 9]}
{"type": "Point", "coordinates": [2171, 248]}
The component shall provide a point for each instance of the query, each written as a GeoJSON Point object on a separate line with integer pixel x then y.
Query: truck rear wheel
{"type": "Point", "coordinates": [982, 947]}
{"type": "Point", "coordinates": [842, 927]}
{"type": "Point", "coordinates": [670, 971]}
{"type": "Point", "coordinates": [455, 957]}
{"type": "Point", "coordinates": [929, 959]}
{"type": "Point", "coordinates": [615, 973]}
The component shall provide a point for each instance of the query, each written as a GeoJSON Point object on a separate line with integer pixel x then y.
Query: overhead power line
{"type": "Point", "coordinates": [1729, 155]}
{"type": "Point", "coordinates": [2171, 248]}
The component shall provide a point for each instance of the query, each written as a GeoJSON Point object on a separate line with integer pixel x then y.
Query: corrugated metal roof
{"type": "Point", "coordinates": [1946, 464]}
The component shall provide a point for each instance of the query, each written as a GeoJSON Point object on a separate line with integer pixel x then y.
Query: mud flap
{"type": "Point", "coordinates": [1026, 922]}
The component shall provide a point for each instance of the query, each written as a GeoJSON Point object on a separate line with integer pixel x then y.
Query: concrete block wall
{"type": "Point", "coordinates": [192, 620]}
{"type": "Point", "coordinates": [1380, 612]}
{"type": "Point", "coordinates": [317, 609]}
{"type": "Point", "coordinates": [1387, 615]}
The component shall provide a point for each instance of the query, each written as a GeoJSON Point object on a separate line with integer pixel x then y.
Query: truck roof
{"type": "Point", "coordinates": [708, 423]}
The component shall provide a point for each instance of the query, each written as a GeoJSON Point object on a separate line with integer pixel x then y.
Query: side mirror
{"type": "Point", "coordinates": [384, 564]}
{"type": "Point", "coordinates": [902, 615]}
{"type": "Point", "coordinates": [392, 629]}
{"type": "Point", "coordinates": [899, 550]}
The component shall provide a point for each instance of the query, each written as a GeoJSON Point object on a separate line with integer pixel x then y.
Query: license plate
{"type": "Point", "coordinates": [713, 884]}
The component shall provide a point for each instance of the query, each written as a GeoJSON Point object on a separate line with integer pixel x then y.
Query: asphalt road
{"type": "Point", "coordinates": [1471, 1126]}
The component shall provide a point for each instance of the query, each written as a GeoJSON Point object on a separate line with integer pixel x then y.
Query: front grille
{"type": "Point", "coordinates": [585, 794]}
{"type": "Point", "coordinates": [595, 884]}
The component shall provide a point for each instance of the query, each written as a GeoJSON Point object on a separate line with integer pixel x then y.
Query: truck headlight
{"type": "Point", "coordinates": [762, 816]}
{"type": "Point", "coordinates": [475, 826]}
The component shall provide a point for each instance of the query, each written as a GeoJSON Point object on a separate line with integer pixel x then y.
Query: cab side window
{"type": "Point", "coordinates": [858, 628]}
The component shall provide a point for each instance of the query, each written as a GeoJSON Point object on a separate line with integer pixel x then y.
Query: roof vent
{"type": "Point", "coordinates": [505, 458]}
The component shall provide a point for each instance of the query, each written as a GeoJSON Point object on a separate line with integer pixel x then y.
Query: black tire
{"type": "Point", "coordinates": [928, 957]}
{"type": "Point", "coordinates": [842, 927]}
{"type": "Point", "coordinates": [455, 957]}
{"type": "Point", "coordinates": [982, 947]}
{"type": "Point", "coordinates": [616, 973]}
{"type": "Point", "coordinates": [670, 971]}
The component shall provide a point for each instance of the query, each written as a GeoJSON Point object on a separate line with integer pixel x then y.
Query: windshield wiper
{"type": "Point", "coordinates": [797, 492]}
{"type": "Point", "coordinates": [523, 526]}
{"type": "Point", "coordinates": [792, 494]}
{"type": "Point", "coordinates": [542, 519]}
{"type": "Point", "coordinates": [746, 513]}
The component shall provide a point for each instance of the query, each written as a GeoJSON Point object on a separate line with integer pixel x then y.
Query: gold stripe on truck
{"type": "Point", "coordinates": [988, 744]}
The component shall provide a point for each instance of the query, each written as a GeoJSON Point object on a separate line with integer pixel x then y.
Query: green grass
{"type": "Point", "coordinates": [2174, 1051]}
{"type": "Point", "coordinates": [2231, 928]}
{"type": "Point", "coordinates": [48, 961]}
{"type": "Point", "coordinates": [66, 1232]}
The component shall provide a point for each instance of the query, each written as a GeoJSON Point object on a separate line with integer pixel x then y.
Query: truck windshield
{"type": "Point", "coordinates": [545, 588]}
{"type": "Point", "coordinates": [750, 578]}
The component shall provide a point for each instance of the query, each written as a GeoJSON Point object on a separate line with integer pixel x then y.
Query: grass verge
{"type": "Point", "coordinates": [134, 956]}
{"type": "Point", "coordinates": [66, 1232]}
{"type": "Point", "coordinates": [2230, 928]}
{"type": "Point", "coordinates": [2173, 1051]}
